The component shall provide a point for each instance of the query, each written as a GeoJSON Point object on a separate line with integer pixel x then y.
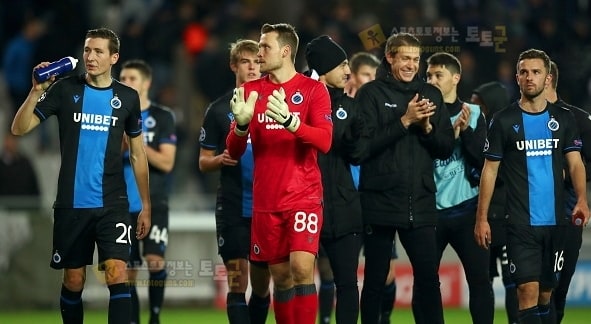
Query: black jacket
{"type": "Point", "coordinates": [342, 207]}
{"type": "Point", "coordinates": [396, 182]}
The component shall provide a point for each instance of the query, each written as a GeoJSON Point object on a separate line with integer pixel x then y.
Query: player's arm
{"type": "Point", "coordinates": [242, 110]}
{"type": "Point", "coordinates": [482, 233]}
{"type": "Point", "coordinates": [473, 141]}
{"type": "Point", "coordinates": [163, 158]}
{"type": "Point", "coordinates": [235, 144]}
{"type": "Point", "coordinates": [25, 120]}
{"type": "Point", "coordinates": [576, 171]}
{"type": "Point", "coordinates": [318, 133]}
{"type": "Point", "coordinates": [209, 161]}
{"type": "Point", "coordinates": [139, 163]}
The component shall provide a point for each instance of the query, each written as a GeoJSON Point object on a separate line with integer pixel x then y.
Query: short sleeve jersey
{"type": "Point", "coordinates": [531, 148]}
{"type": "Point", "coordinates": [235, 192]}
{"type": "Point", "coordinates": [158, 127]}
{"type": "Point", "coordinates": [92, 122]}
{"type": "Point", "coordinates": [286, 171]}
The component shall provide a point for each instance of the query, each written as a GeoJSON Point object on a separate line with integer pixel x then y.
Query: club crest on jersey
{"type": "Point", "coordinates": [150, 122]}
{"type": "Point", "coordinates": [43, 95]}
{"type": "Point", "coordinates": [341, 113]}
{"type": "Point", "coordinates": [202, 135]}
{"type": "Point", "coordinates": [553, 124]}
{"type": "Point", "coordinates": [297, 98]}
{"type": "Point", "coordinates": [115, 102]}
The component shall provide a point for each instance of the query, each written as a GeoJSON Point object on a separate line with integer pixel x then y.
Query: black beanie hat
{"type": "Point", "coordinates": [323, 54]}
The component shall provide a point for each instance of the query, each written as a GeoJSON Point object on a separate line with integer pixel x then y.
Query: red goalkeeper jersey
{"type": "Point", "coordinates": [286, 172]}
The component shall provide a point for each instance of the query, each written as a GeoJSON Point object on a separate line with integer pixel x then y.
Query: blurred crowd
{"type": "Point", "coordinates": [186, 43]}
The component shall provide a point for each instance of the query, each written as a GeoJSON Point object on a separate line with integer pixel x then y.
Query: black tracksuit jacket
{"type": "Point", "coordinates": [396, 180]}
{"type": "Point", "coordinates": [342, 207]}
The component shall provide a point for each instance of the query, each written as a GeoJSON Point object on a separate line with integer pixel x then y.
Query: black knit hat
{"type": "Point", "coordinates": [323, 54]}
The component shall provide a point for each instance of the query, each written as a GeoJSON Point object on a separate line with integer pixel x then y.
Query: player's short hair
{"type": "Point", "coordinates": [449, 61]}
{"type": "Point", "coordinates": [106, 33]}
{"type": "Point", "coordinates": [395, 41]}
{"type": "Point", "coordinates": [286, 35]}
{"type": "Point", "coordinates": [533, 53]}
{"type": "Point", "coordinates": [239, 47]}
{"type": "Point", "coordinates": [554, 73]}
{"type": "Point", "coordinates": [140, 65]}
{"type": "Point", "coordinates": [360, 59]}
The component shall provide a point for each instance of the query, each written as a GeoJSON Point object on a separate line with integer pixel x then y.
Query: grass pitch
{"type": "Point", "coordinates": [214, 316]}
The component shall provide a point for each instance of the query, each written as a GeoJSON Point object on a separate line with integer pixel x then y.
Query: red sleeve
{"type": "Point", "coordinates": [316, 130]}
{"type": "Point", "coordinates": [236, 145]}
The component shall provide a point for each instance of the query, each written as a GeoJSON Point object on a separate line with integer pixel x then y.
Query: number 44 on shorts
{"type": "Point", "coordinates": [157, 235]}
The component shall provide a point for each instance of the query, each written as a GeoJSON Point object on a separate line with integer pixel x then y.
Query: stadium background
{"type": "Point", "coordinates": [186, 42]}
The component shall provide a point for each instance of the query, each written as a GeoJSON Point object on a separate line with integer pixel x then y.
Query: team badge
{"type": "Point", "coordinates": [553, 124]}
{"type": "Point", "coordinates": [43, 95]}
{"type": "Point", "coordinates": [256, 249]}
{"type": "Point", "coordinates": [57, 258]}
{"type": "Point", "coordinates": [512, 267]}
{"type": "Point", "coordinates": [202, 135]}
{"type": "Point", "coordinates": [341, 113]}
{"type": "Point", "coordinates": [221, 241]}
{"type": "Point", "coordinates": [297, 98]}
{"type": "Point", "coordinates": [486, 145]}
{"type": "Point", "coordinates": [115, 102]}
{"type": "Point", "coordinates": [150, 122]}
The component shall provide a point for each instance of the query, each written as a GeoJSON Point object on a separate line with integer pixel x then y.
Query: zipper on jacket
{"type": "Point", "coordinates": [410, 175]}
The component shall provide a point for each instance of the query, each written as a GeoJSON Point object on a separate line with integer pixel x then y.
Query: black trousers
{"type": "Point", "coordinates": [458, 232]}
{"type": "Point", "coordinates": [343, 254]}
{"type": "Point", "coordinates": [421, 247]}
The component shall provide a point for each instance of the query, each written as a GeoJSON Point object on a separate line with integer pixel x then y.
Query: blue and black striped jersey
{"type": "Point", "coordinates": [92, 122]}
{"type": "Point", "coordinates": [158, 127]}
{"type": "Point", "coordinates": [234, 198]}
{"type": "Point", "coordinates": [531, 148]}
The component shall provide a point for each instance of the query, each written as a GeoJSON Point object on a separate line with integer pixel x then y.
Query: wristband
{"type": "Point", "coordinates": [242, 128]}
{"type": "Point", "coordinates": [288, 121]}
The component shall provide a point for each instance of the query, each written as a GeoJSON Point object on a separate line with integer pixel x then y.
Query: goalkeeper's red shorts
{"type": "Point", "coordinates": [275, 235]}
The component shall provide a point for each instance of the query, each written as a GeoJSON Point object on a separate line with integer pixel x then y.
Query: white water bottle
{"type": "Point", "coordinates": [59, 67]}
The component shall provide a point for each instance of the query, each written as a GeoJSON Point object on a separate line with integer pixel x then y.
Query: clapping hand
{"type": "Point", "coordinates": [243, 110]}
{"type": "Point", "coordinates": [278, 110]}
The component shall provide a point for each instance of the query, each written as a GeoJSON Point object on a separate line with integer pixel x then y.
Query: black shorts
{"type": "Point", "coordinates": [77, 230]}
{"type": "Point", "coordinates": [535, 253]}
{"type": "Point", "coordinates": [157, 239]}
{"type": "Point", "coordinates": [234, 240]}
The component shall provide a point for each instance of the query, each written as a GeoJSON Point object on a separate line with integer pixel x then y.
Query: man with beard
{"type": "Point", "coordinates": [532, 141]}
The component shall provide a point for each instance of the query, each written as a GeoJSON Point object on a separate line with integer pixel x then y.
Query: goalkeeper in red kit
{"type": "Point", "coordinates": [286, 116]}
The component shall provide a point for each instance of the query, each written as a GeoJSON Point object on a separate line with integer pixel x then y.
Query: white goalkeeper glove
{"type": "Point", "coordinates": [242, 110]}
{"type": "Point", "coordinates": [278, 110]}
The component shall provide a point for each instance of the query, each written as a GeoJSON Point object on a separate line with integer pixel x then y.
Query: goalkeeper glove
{"type": "Point", "coordinates": [278, 110]}
{"type": "Point", "coordinates": [242, 110]}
